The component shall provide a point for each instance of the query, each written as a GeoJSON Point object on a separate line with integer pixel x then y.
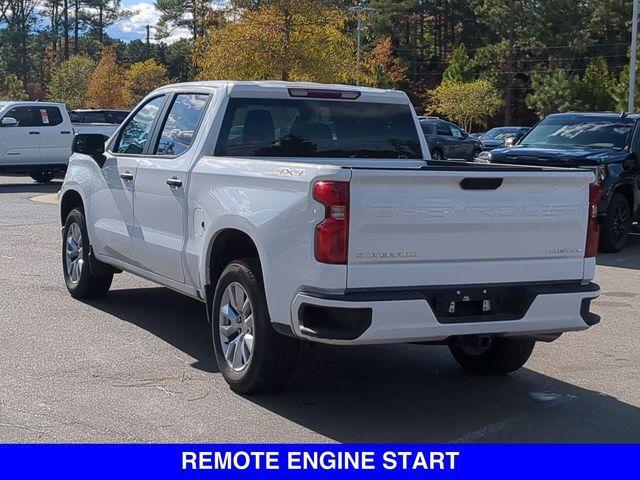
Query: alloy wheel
{"type": "Point", "coordinates": [74, 258]}
{"type": "Point", "coordinates": [236, 326]}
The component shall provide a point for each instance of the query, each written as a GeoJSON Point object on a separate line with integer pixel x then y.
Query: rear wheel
{"type": "Point", "coordinates": [616, 226]}
{"type": "Point", "coordinates": [80, 282]}
{"type": "Point", "coordinates": [43, 176]}
{"type": "Point", "coordinates": [492, 355]}
{"type": "Point", "coordinates": [251, 355]}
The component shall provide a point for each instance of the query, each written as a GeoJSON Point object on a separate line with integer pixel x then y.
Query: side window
{"type": "Point", "coordinates": [118, 117]}
{"type": "Point", "coordinates": [181, 124]}
{"type": "Point", "coordinates": [49, 116]}
{"type": "Point", "coordinates": [135, 133]}
{"type": "Point", "coordinates": [455, 131]}
{"type": "Point", "coordinates": [75, 117]}
{"type": "Point", "coordinates": [428, 128]}
{"type": "Point", "coordinates": [444, 129]}
{"type": "Point", "coordinates": [24, 115]}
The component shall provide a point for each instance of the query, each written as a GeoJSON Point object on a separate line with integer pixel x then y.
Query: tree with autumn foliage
{"type": "Point", "coordinates": [467, 103]}
{"type": "Point", "coordinates": [70, 81]}
{"type": "Point", "coordinates": [383, 69]}
{"type": "Point", "coordinates": [107, 85]}
{"type": "Point", "coordinates": [142, 78]}
{"type": "Point", "coordinates": [280, 39]}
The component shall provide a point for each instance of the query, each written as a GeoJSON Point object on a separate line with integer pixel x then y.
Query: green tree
{"type": "Point", "coordinates": [70, 80]}
{"type": "Point", "coordinates": [552, 93]}
{"type": "Point", "coordinates": [460, 68]}
{"type": "Point", "coordinates": [468, 103]}
{"type": "Point", "coordinates": [13, 88]}
{"type": "Point", "coordinates": [592, 91]}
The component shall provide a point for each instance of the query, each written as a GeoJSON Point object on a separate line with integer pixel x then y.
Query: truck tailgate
{"type": "Point", "coordinates": [466, 226]}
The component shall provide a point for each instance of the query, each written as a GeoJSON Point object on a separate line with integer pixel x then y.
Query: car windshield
{"type": "Point", "coordinates": [317, 128]}
{"type": "Point", "coordinates": [499, 133]}
{"type": "Point", "coordinates": [580, 131]}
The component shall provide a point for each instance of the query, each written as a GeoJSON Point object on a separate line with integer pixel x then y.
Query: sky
{"type": "Point", "coordinates": [134, 27]}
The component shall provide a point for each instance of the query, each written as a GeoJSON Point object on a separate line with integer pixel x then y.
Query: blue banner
{"type": "Point", "coordinates": [512, 462]}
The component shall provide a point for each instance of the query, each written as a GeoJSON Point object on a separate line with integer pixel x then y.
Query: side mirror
{"type": "Point", "coordinates": [510, 142]}
{"type": "Point", "coordinates": [91, 144]}
{"type": "Point", "coordinates": [9, 122]}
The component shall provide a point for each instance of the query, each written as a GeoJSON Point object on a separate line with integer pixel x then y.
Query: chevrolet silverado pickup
{"type": "Point", "coordinates": [307, 212]}
{"type": "Point", "coordinates": [36, 138]}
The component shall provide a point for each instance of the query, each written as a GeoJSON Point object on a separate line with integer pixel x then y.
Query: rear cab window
{"type": "Point", "coordinates": [306, 128]}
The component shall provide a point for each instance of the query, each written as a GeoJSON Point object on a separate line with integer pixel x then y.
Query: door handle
{"type": "Point", "coordinates": [34, 133]}
{"type": "Point", "coordinates": [65, 132]}
{"type": "Point", "coordinates": [174, 182]}
{"type": "Point", "coordinates": [127, 176]}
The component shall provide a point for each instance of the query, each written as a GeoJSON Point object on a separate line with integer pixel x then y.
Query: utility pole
{"type": "Point", "coordinates": [359, 10]}
{"type": "Point", "coordinates": [148, 38]}
{"type": "Point", "coordinates": [634, 54]}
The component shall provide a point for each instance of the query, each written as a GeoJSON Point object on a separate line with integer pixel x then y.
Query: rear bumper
{"type": "Point", "coordinates": [410, 315]}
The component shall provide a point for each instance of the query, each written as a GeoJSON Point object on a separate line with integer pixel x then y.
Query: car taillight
{"type": "Point", "coordinates": [332, 234]}
{"type": "Point", "coordinates": [593, 227]}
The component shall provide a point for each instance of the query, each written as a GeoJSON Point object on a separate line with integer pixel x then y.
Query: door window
{"type": "Point", "coordinates": [181, 124]}
{"type": "Point", "coordinates": [456, 132]}
{"type": "Point", "coordinates": [444, 129]}
{"type": "Point", "coordinates": [136, 132]}
{"type": "Point", "coordinates": [48, 116]}
{"type": "Point", "coordinates": [24, 115]}
{"type": "Point", "coordinates": [95, 117]}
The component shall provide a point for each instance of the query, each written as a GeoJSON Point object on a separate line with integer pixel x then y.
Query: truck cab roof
{"type": "Point", "coordinates": [281, 89]}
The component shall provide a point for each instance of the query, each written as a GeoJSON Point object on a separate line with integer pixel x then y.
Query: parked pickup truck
{"type": "Point", "coordinates": [36, 137]}
{"type": "Point", "coordinates": [313, 212]}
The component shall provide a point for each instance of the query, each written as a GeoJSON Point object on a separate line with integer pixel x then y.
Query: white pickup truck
{"type": "Point", "coordinates": [36, 138]}
{"type": "Point", "coordinates": [314, 212]}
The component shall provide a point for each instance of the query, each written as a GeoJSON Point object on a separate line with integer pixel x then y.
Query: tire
{"type": "Point", "coordinates": [616, 226]}
{"type": "Point", "coordinates": [81, 283]}
{"type": "Point", "coordinates": [438, 155]}
{"type": "Point", "coordinates": [502, 356]}
{"type": "Point", "coordinates": [263, 364]}
{"type": "Point", "coordinates": [43, 176]}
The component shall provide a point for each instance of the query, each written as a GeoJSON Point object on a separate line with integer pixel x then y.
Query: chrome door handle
{"type": "Point", "coordinates": [174, 182]}
{"type": "Point", "coordinates": [126, 176]}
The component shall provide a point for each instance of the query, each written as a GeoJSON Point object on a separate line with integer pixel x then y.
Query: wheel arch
{"type": "Point", "coordinates": [70, 199]}
{"type": "Point", "coordinates": [627, 191]}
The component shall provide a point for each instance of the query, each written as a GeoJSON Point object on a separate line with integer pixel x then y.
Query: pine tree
{"type": "Point", "coordinates": [461, 67]}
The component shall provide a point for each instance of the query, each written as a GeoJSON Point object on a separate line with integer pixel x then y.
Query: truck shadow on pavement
{"type": "Point", "coordinates": [397, 393]}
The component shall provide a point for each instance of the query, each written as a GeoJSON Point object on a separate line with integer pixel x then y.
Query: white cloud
{"type": "Point", "coordinates": [134, 27]}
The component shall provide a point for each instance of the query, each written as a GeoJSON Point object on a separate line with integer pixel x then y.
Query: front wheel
{"type": "Point", "coordinates": [251, 355]}
{"type": "Point", "coordinates": [81, 282]}
{"type": "Point", "coordinates": [492, 356]}
{"type": "Point", "coordinates": [616, 226]}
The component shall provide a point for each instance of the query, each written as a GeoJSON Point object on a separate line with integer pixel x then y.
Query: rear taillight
{"type": "Point", "coordinates": [332, 234]}
{"type": "Point", "coordinates": [593, 227]}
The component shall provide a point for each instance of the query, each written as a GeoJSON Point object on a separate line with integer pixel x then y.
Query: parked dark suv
{"type": "Point", "coordinates": [607, 143]}
{"type": "Point", "coordinates": [448, 141]}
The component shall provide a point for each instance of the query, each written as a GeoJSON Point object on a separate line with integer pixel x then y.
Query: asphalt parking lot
{"type": "Point", "coordinates": [137, 366]}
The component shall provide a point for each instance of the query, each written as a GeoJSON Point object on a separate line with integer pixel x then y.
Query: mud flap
{"type": "Point", "coordinates": [98, 268]}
